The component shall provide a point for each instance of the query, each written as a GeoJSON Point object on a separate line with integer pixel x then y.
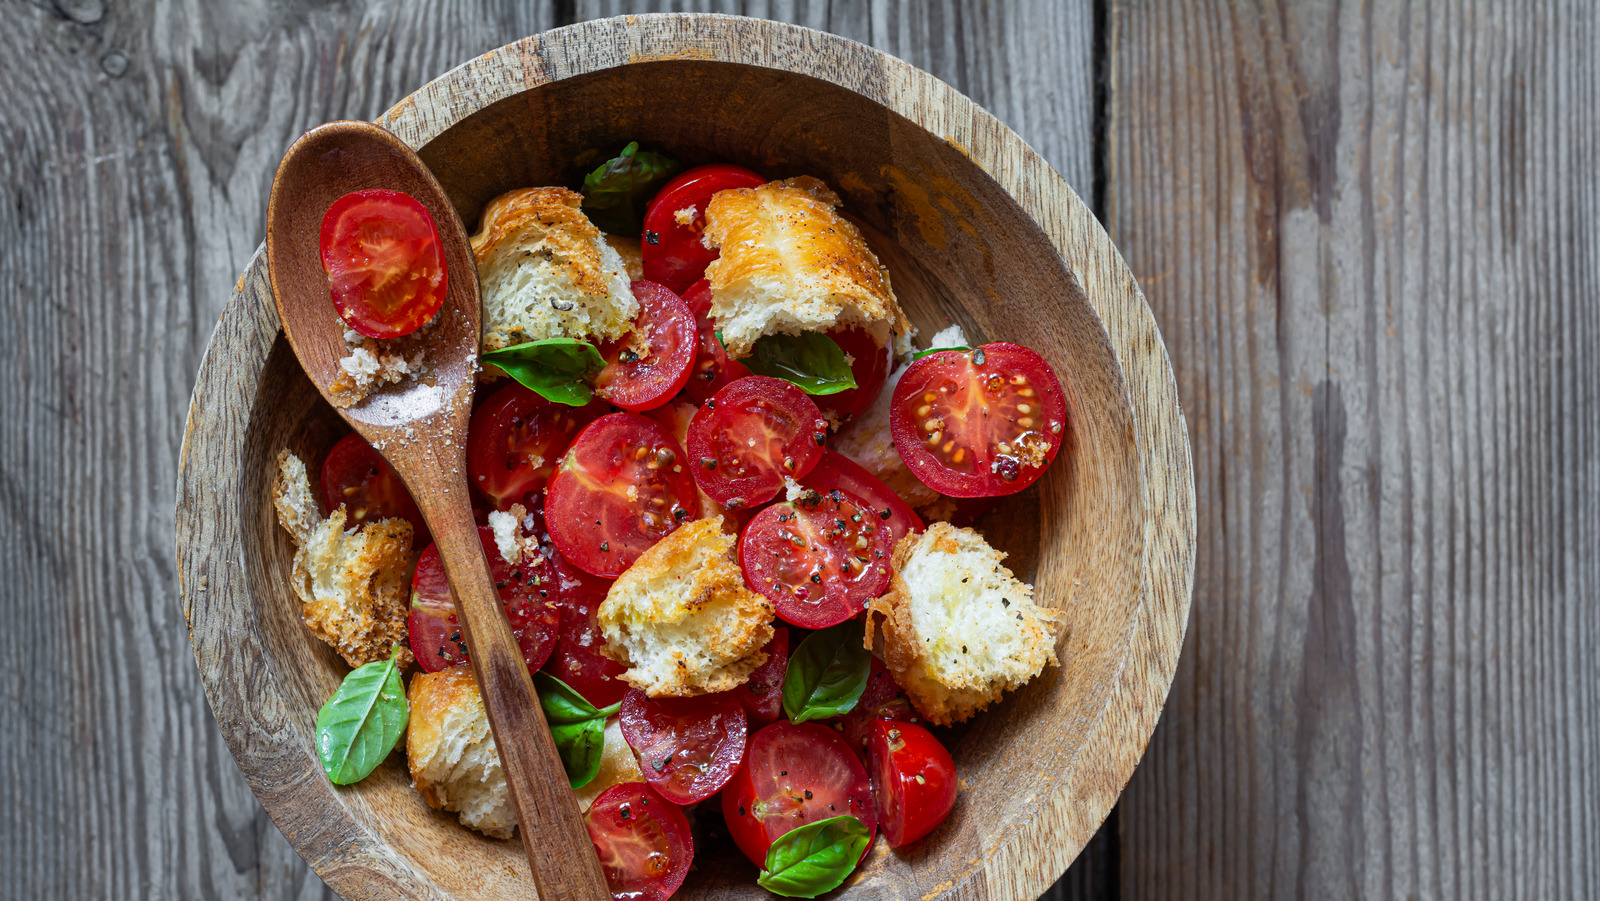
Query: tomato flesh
{"type": "Point", "coordinates": [435, 637]}
{"type": "Point", "coordinates": [882, 699]}
{"type": "Point", "coordinates": [761, 695]}
{"type": "Point", "coordinates": [688, 747]}
{"type": "Point", "coordinates": [752, 434]}
{"type": "Point", "coordinates": [643, 841]}
{"type": "Point", "coordinates": [672, 252]}
{"type": "Point", "coordinates": [793, 775]}
{"type": "Point", "coordinates": [623, 486]}
{"type": "Point", "coordinates": [979, 423]}
{"type": "Point", "coordinates": [870, 366]}
{"type": "Point", "coordinates": [357, 476]}
{"type": "Point", "coordinates": [643, 381]}
{"type": "Point", "coordinates": [712, 368]}
{"type": "Point", "coordinates": [819, 559]}
{"type": "Point", "coordinates": [913, 781]}
{"type": "Point", "coordinates": [384, 261]}
{"type": "Point", "coordinates": [515, 440]}
{"type": "Point", "coordinates": [577, 660]}
{"type": "Point", "coordinates": [835, 470]}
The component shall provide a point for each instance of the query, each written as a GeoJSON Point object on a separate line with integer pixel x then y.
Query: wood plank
{"type": "Point", "coordinates": [1368, 233]}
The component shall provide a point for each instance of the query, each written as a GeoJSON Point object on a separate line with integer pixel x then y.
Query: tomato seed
{"type": "Point", "coordinates": [1024, 408]}
{"type": "Point", "coordinates": [929, 397]}
{"type": "Point", "coordinates": [949, 446]}
{"type": "Point", "coordinates": [1026, 422]}
{"type": "Point", "coordinates": [960, 454]}
{"type": "Point", "coordinates": [924, 410]}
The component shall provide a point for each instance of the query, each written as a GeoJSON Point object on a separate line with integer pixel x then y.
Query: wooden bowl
{"type": "Point", "coordinates": [975, 229]}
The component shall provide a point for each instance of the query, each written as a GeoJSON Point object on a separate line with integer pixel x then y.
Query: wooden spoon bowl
{"type": "Point", "coordinates": [974, 227]}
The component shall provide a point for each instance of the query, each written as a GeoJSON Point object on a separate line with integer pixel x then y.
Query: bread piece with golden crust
{"type": "Point", "coordinates": [354, 585]}
{"type": "Point", "coordinates": [958, 628]}
{"type": "Point", "coordinates": [547, 272]}
{"type": "Point", "coordinates": [681, 619]}
{"type": "Point", "coordinates": [632, 254]}
{"type": "Point", "coordinates": [789, 263]}
{"type": "Point", "coordinates": [451, 752]}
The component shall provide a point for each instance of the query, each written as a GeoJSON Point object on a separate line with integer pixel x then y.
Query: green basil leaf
{"type": "Point", "coordinates": [558, 369]}
{"type": "Point", "coordinates": [827, 673]}
{"type": "Point", "coordinates": [614, 195]}
{"type": "Point", "coordinates": [362, 722]}
{"type": "Point", "coordinates": [933, 350]}
{"type": "Point", "coordinates": [815, 858]}
{"type": "Point", "coordinates": [811, 360]}
{"type": "Point", "coordinates": [578, 727]}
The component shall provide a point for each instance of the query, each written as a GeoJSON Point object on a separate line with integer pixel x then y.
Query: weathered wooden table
{"type": "Point", "coordinates": [1370, 233]}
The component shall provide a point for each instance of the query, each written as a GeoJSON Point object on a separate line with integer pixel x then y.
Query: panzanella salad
{"type": "Point", "coordinates": [715, 484]}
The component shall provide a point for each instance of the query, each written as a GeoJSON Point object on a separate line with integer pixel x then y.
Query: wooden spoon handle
{"type": "Point", "coordinates": [565, 866]}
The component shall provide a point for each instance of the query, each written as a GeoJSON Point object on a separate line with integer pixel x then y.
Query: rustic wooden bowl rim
{"type": "Point", "coordinates": [1022, 863]}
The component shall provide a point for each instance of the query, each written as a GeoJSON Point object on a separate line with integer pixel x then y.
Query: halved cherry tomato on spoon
{"type": "Point", "coordinates": [819, 559]}
{"type": "Point", "coordinates": [515, 440]}
{"type": "Point", "coordinates": [577, 660]}
{"type": "Point", "coordinates": [688, 747]}
{"type": "Point", "coordinates": [355, 475]}
{"type": "Point", "coordinates": [712, 368]}
{"type": "Point", "coordinates": [794, 775]}
{"type": "Point", "coordinates": [913, 780]}
{"type": "Point", "coordinates": [643, 841]}
{"type": "Point", "coordinates": [435, 637]}
{"type": "Point", "coordinates": [673, 254]}
{"type": "Point", "coordinates": [869, 363]}
{"type": "Point", "coordinates": [752, 434]}
{"type": "Point", "coordinates": [623, 486]}
{"type": "Point", "coordinates": [979, 423]}
{"type": "Point", "coordinates": [384, 262]}
{"type": "Point", "coordinates": [638, 378]}
{"type": "Point", "coordinates": [835, 470]}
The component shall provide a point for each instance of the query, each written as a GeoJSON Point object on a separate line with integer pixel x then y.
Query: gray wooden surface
{"type": "Point", "coordinates": [1368, 232]}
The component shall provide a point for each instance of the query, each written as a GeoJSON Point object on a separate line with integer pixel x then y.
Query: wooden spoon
{"type": "Point", "coordinates": [421, 429]}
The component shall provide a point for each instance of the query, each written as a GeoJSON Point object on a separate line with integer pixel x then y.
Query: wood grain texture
{"type": "Point", "coordinates": [1368, 231]}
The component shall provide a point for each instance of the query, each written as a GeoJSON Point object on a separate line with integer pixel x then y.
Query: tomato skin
{"type": "Point", "coordinates": [913, 781]}
{"type": "Point", "coordinates": [794, 775]}
{"type": "Point", "coordinates": [384, 261]}
{"type": "Point", "coordinates": [819, 559]}
{"type": "Point", "coordinates": [673, 254]}
{"type": "Point", "coordinates": [688, 747]}
{"type": "Point", "coordinates": [749, 436]}
{"type": "Point", "coordinates": [835, 470]}
{"type": "Point", "coordinates": [870, 366]}
{"type": "Point", "coordinates": [601, 502]}
{"type": "Point", "coordinates": [979, 423]}
{"type": "Point", "coordinates": [712, 368]}
{"type": "Point", "coordinates": [643, 841]}
{"type": "Point", "coordinates": [762, 695]}
{"type": "Point", "coordinates": [436, 639]}
{"type": "Point", "coordinates": [646, 382]}
{"type": "Point", "coordinates": [357, 476]}
{"type": "Point", "coordinates": [515, 440]}
{"type": "Point", "coordinates": [882, 699]}
{"type": "Point", "coordinates": [577, 660]}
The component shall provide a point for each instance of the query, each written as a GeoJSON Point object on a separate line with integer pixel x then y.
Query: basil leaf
{"type": "Point", "coordinates": [578, 727]}
{"type": "Point", "coordinates": [558, 369]}
{"type": "Point", "coordinates": [815, 858]}
{"type": "Point", "coordinates": [614, 195]}
{"type": "Point", "coordinates": [827, 673]}
{"type": "Point", "coordinates": [362, 722]}
{"type": "Point", "coordinates": [933, 350]}
{"type": "Point", "coordinates": [811, 360]}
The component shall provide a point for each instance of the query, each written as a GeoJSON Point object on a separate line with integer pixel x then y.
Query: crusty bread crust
{"type": "Point", "coordinates": [451, 754]}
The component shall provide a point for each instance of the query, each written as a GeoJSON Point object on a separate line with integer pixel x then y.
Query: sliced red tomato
{"type": "Point", "coordinates": [436, 638]}
{"type": "Point", "coordinates": [819, 559]}
{"type": "Point", "coordinates": [355, 475]}
{"type": "Point", "coordinates": [577, 660]}
{"type": "Point", "coordinates": [793, 775]}
{"type": "Point", "coordinates": [623, 486]}
{"type": "Point", "coordinates": [642, 379]}
{"type": "Point", "coordinates": [515, 440]}
{"type": "Point", "coordinates": [752, 434]}
{"type": "Point", "coordinates": [712, 367]}
{"type": "Point", "coordinates": [882, 699]}
{"type": "Point", "coordinates": [688, 747]}
{"type": "Point", "coordinates": [675, 221]}
{"type": "Point", "coordinates": [913, 781]}
{"type": "Point", "coordinates": [762, 695]}
{"type": "Point", "coordinates": [384, 262]}
{"type": "Point", "coordinates": [643, 841]}
{"type": "Point", "coordinates": [869, 363]}
{"type": "Point", "coordinates": [835, 470]}
{"type": "Point", "coordinates": [979, 423]}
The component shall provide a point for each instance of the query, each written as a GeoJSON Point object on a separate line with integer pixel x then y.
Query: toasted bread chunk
{"type": "Point", "coordinates": [682, 619]}
{"type": "Point", "coordinates": [354, 586]}
{"type": "Point", "coordinates": [958, 628]}
{"type": "Point", "coordinates": [789, 264]}
{"type": "Point", "coordinates": [632, 255]}
{"type": "Point", "coordinates": [618, 764]}
{"type": "Point", "coordinates": [547, 272]}
{"type": "Point", "coordinates": [451, 752]}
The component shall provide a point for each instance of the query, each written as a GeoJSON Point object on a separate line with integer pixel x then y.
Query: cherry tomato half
{"type": "Point", "coordinates": [978, 423]}
{"type": "Point", "coordinates": [819, 559]}
{"type": "Point", "coordinates": [435, 637]}
{"type": "Point", "coordinates": [688, 747]}
{"type": "Point", "coordinates": [712, 368]}
{"type": "Point", "coordinates": [577, 660]}
{"type": "Point", "coordinates": [762, 695]}
{"type": "Point", "coordinates": [355, 475]}
{"type": "Point", "coordinates": [636, 381]}
{"type": "Point", "coordinates": [835, 470]}
{"type": "Point", "coordinates": [882, 699]}
{"type": "Point", "coordinates": [913, 780]}
{"type": "Point", "coordinates": [750, 435]}
{"type": "Point", "coordinates": [643, 841]}
{"type": "Point", "coordinates": [515, 440]}
{"type": "Point", "coordinates": [673, 254]}
{"type": "Point", "coordinates": [869, 363]}
{"type": "Point", "coordinates": [623, 486]}
{"type": "Point", "coordinates": [793, 775]}
{"type": "Point", "coordinates": [384, 262]}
